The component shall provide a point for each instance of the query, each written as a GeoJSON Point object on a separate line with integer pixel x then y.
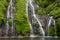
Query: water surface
{"type": "Point", "coordinates": [31, 38]}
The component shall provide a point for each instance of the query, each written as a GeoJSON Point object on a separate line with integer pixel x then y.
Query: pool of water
{"type": "Point", "coordinates": [31, 38]}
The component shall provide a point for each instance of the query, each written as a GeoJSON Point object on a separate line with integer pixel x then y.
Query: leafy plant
{"type": "Point", "coordinates": [20, 18]}
{"type": "Point", "coordinates": [3, 5]}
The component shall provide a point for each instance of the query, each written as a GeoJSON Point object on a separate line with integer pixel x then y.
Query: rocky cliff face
{"type": "Point", "coordinates": [44, 20]}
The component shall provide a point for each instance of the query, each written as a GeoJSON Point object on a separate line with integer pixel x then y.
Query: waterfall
{"type": "Point", "coordinates": [7, 19]}
{"type": "Point", "coordinates": [51, 21]}
{"type": "Point", "coordinates": [41, 29]}
{"type": "Point", "coordinates": [10, 15]}
{"type": "Point", "coordinates": [31, 29]}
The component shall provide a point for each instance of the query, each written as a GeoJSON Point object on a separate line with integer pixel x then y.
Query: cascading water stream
{"type": "Point", "coordinates": [41, 29]}
{"type": "Point", "coordinates": [49, 24]}
{"type": "Point", "coordinates": [31, 29]}
{"type": "Point", "coordinates": [7, 19]}
{"type": "Point", "coordinates": [9, 15]}
{"type": "Point", "coordinates": [12, 16]}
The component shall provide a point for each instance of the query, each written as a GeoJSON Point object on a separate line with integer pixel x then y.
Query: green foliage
{"type": "Point", "coordinates": [20, 18]}
{"type": "Point", "coordinates": [44, 3]}
{"type": "Point", "coordinates": [10, 21]}
{"type": "Point", "coordinates": [41, 12]}
{"type": "Point", "coordinates": [1, 18]}
{"type": "Point", "coordinates": [51, 31]}
{"type": "Point", "coordinates": [51, 7]}
{"type": "Point", "coordinates": [3, 5]}
{"type": "Point", "coordinates": [58, 26]}
{"type": "Point", "coordinates": [55, 13]}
